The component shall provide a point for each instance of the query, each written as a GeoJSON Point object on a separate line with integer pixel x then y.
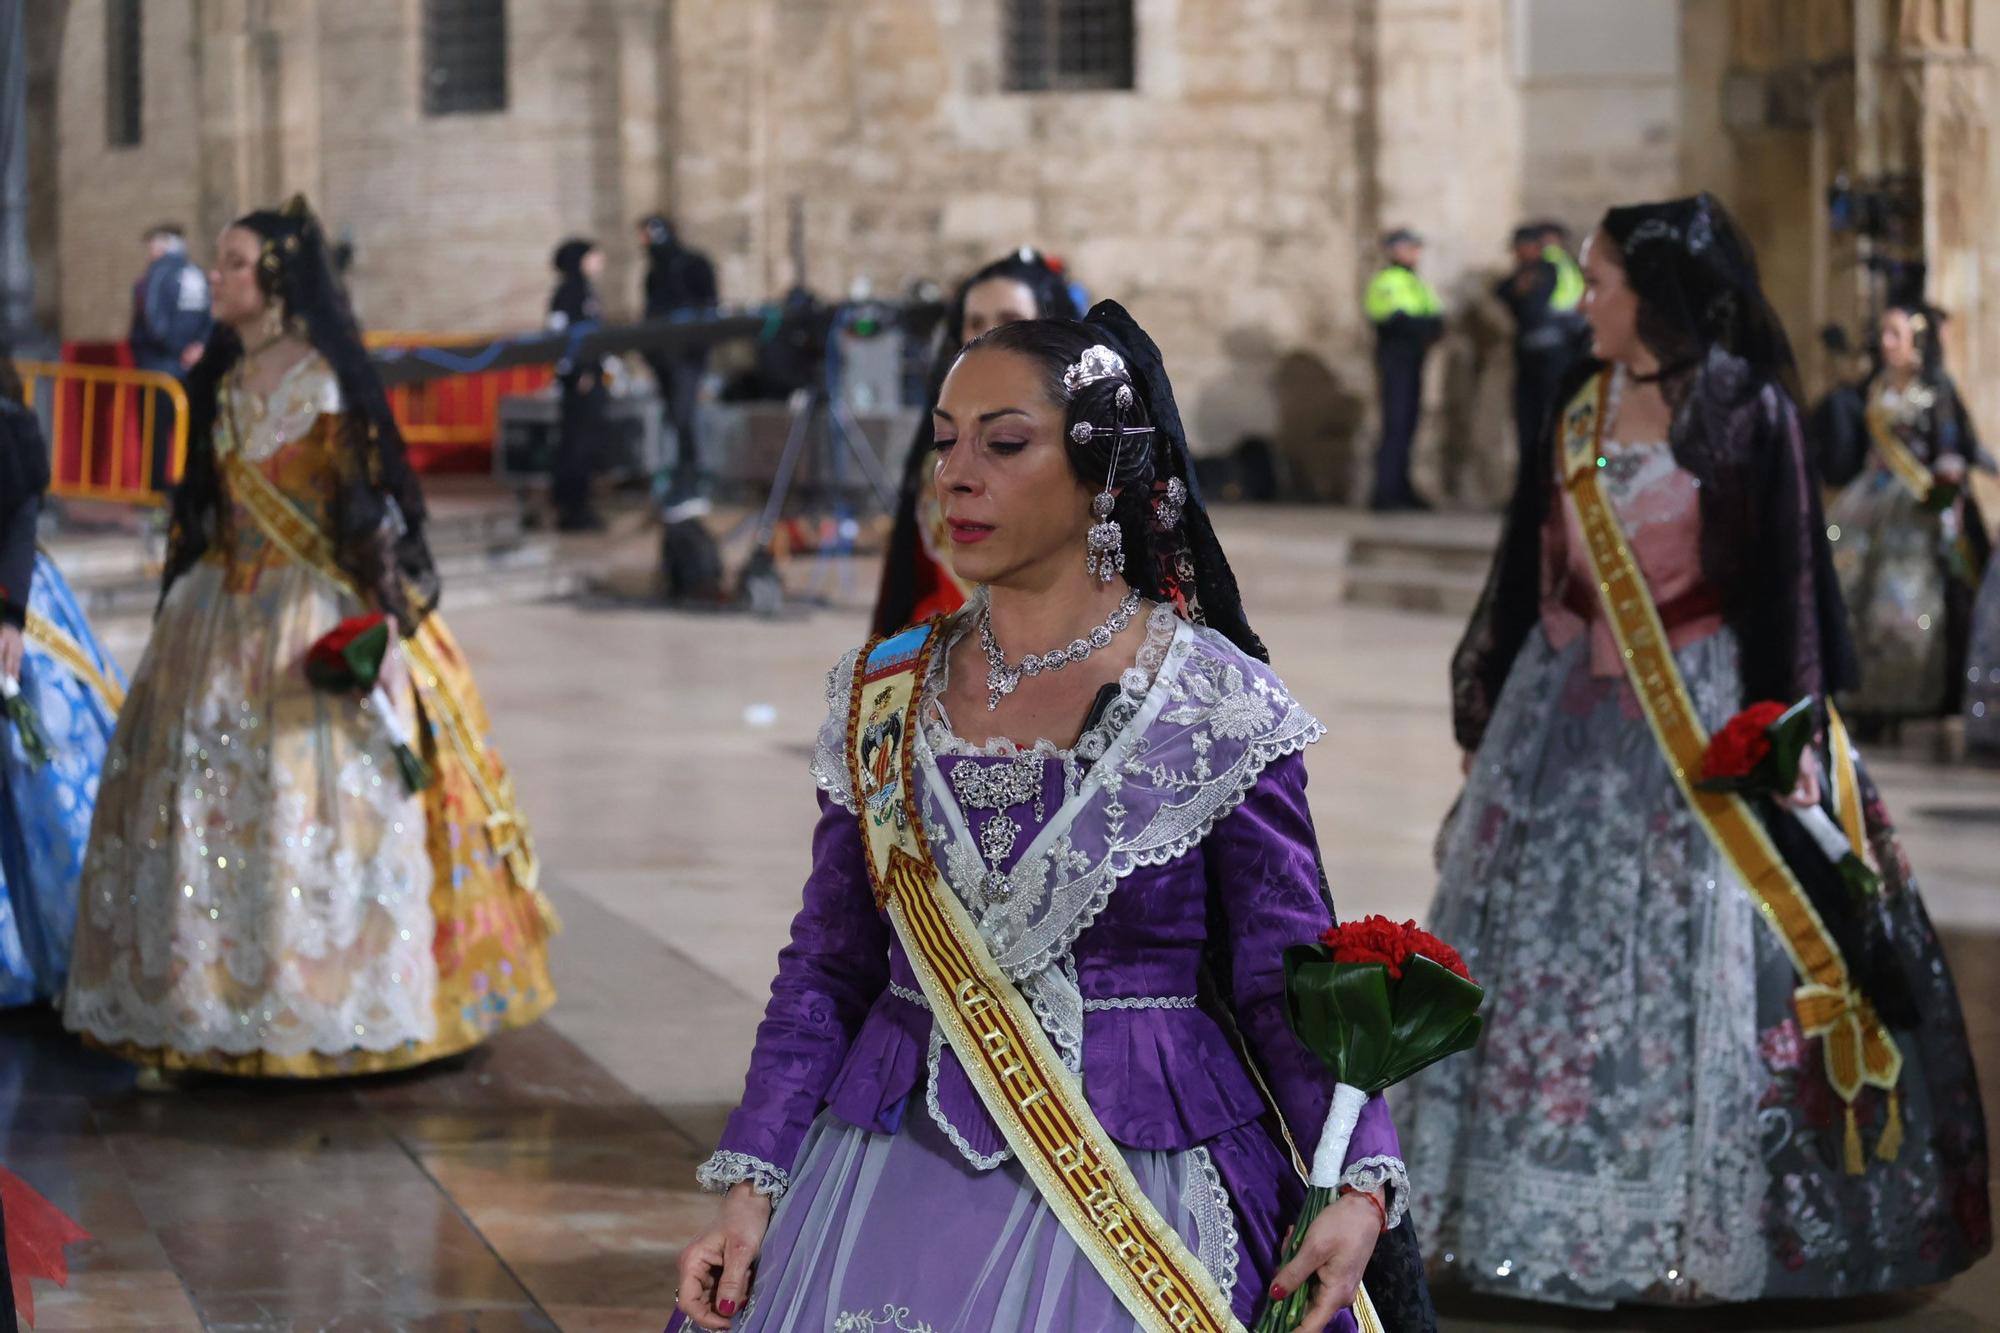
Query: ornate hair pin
{"type": "Point", "coordinates": [1083, 432]}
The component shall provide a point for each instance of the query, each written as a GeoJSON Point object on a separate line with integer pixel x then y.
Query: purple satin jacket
{"type": "Point", "coordinates": [1148, 909]}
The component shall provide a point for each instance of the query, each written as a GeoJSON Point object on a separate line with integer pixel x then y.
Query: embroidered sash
{"type": "Point", "coordinates": [52, 639]}
{"type": "Point", "coordinates": [292, 531]}
{"type": "Point", "coordinates": [1901, 460]}
{"type": "Point", "coordinates": [1858, 1051]}
{"type": "Point", "coordinates": [1038, 1105]}
{"type": "Point", "coordinates": [1846, 786]}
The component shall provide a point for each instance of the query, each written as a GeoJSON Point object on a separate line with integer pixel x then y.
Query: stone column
{"type": "Point", "coordinates": [642, 133]}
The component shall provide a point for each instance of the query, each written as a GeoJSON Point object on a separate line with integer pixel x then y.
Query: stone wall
{"type": "Point", "coordinates": [452, 218]}
{"type": "Point", "coordinates": [1217, 200]}
{"type": "Point", "coordinates": [108, 195]}
{"type": "Point", "coordinates": [1232, 199]}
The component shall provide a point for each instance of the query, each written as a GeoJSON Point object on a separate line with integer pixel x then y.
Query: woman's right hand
{"type": "Point", "coordinates": [715, 1267]}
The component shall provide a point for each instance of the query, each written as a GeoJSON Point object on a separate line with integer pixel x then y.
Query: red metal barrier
{"type": "Point", "coordinates": [101, 416]}
{"type": "Point", "coordinates": [451, 424]}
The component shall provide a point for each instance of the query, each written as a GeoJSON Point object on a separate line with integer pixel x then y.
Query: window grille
{"type": "Point", "coordinates": [1069, 45]}
{"type": "Point", "coordinates": [465, 57]}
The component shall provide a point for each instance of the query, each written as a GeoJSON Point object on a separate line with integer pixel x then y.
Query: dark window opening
{"type": "Point", "coordinates": [123, 85]}
{"type": "Point", "coordinates": [465, 56]}
{"type": "Point", "coordinates": [1069, 45]}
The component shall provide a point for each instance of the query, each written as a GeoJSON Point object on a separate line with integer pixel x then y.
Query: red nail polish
{"type": "Point", "coordinates": [1278, 1293]}
{"type": "Point", "coordinates": [725, 1306]}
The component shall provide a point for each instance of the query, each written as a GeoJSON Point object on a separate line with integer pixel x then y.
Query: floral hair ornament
{"type": "Point", "coordinates": [1099, 363]}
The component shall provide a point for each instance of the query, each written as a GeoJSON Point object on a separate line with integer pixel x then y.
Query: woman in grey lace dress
{"type": "Point", "coordinates": [1646, 1119]}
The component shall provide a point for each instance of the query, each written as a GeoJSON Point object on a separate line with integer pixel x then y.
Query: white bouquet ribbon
{"type": "Point", "coordinates": [1827, 834]}
{"type": "Point", "coordinates": [1330, 1158]}
{"type": "Point", "coordinates": [385, 708]}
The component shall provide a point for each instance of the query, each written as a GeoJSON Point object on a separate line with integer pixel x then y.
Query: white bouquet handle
{"type": "Point", "coordinates": [1330, 1158]}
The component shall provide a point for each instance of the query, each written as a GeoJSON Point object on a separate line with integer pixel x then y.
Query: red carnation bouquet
{"type": "Point", "coordinates": [1376, 1002]}
{"type": "Point", "coordinates": [1758, 753]}
{"type": "Point", "coordinates": [348, 659]}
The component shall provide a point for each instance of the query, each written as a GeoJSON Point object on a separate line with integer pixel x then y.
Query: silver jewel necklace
{"type": "Point", "coordinates": [1002, 679]}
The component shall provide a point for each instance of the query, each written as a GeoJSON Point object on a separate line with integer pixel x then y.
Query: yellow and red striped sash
{"type": "Point", "coordinates": [1037, 1103]}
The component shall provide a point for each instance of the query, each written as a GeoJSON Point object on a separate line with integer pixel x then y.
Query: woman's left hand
{"type": "Point", "coordinates": [1336, 1250]}
{"type": "Point", "coordinates": [1807, 793]}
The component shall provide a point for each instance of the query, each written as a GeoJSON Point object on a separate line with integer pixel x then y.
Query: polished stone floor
{"type": "Point", "coordinates": [544, 1183]}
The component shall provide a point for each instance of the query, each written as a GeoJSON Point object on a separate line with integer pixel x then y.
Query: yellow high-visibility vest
{"type": "Point", "coordinates": [1568, 294]}
{"type": "Point", "coordinates": [1400, 291]}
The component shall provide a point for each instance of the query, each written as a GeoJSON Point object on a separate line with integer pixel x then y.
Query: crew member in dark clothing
{"type": "Point", "coordinates": [1408, 318]}
{"type": "Point", "coordinates": [170, 324]}
{"type": "Point", "coordinates": [679, 280]}
{"type": "Point", "coordinates": [1542, 294]}
{"type": "Point", "coordinates": [573, 309]}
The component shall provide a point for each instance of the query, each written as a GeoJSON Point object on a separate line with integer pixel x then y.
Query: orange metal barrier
{"type": "Point", "coordinates": [103, 425]}
{"type": "Point", "coordinates": [103, 422]}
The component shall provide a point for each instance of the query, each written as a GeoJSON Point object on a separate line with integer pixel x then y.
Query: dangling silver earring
{"type": "Point", "coordinates": [1104, 546]}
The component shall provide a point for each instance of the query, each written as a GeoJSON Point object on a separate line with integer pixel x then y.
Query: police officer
{"type": "Point", "coordinates": [1542, 293]}
{"type": "Point", "coordinates": [1408, 318]}
{"type": "Point", "coordinates": [170, 324]}
{"type": "Point", "coordinates": [679, 280]}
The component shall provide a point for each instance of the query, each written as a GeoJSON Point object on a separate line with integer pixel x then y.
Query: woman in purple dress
{"type": "Point", "coordinates": [1123, 822]}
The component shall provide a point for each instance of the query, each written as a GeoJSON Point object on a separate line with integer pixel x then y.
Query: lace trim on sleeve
{"type": "Point", "coordinates": [1387, 1175]}
{"type": "Point", "coordinates": [829, 761]}
{"type": "Point", "coordinates": [725, 1169]}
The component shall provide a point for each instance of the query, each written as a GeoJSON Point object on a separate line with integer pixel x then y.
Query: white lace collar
{"type": "Point", "coordinates": [307, 389]}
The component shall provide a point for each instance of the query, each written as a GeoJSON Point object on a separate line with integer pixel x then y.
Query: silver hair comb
{"type": "Point", "coordinates": [1096, 363]}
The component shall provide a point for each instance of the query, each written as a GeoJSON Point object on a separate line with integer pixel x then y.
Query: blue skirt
{"type": "Point", "coordinates": [45, 811]}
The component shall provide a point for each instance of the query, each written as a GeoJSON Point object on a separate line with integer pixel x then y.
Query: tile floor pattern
{"type": "Point", "coordinates": [544, 1183]}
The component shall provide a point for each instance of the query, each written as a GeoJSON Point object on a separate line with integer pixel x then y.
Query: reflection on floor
{"type": "Point", "coordinates": [519, 1188]}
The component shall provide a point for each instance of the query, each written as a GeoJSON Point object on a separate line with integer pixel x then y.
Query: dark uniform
{"type": "Point", "coordinates": [581, 422]}
{"type": "Point", "coordinates": [678, 280]}
{"type": "Point", "coordinates": [1543, 298]}
{"type": "Point", "coordinates": [1408, 318]}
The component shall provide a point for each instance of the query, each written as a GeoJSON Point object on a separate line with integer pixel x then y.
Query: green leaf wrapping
{"type": "Point", "coordinates": [34, 745]}
{"type": "Point", "coordinates": [1373, 1033]}
{"type": "Point", "coordinates": [416, 774]}
{"type": "Point", "coordinates": [1790, 735]}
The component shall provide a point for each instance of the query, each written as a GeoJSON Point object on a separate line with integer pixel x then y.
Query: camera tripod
{"type": "Point", "coordinates": [759, 585]}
